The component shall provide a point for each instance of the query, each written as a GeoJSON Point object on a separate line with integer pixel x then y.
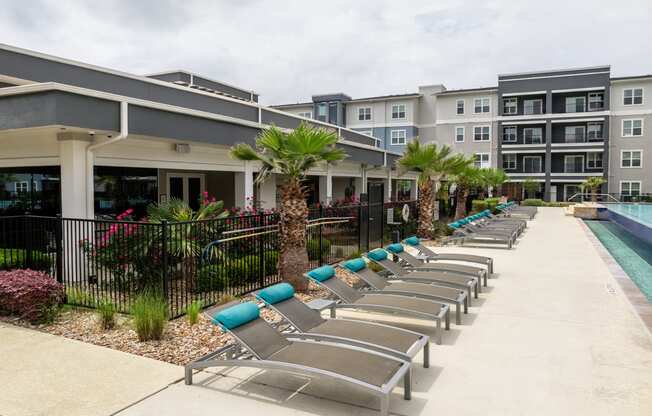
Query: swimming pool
{"type": "Point", "coordinates": [632, 253]}
{"type": "Point", "coordinates": [638, 212]}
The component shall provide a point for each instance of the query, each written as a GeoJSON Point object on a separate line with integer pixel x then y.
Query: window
{"type": "Point", "coordinates": [305, 114]}
{"type": "Point", "coordinates": [594, 160]}
{"type": "Point", "coordinates": [573, 164]}
{"type": "Point", "coordinates": [594, 131]}
{"type": "Point", "coordinates": [460, 106]}
{"type": "Point", "coordinates": [481, 105]}
{"type": "Point", "coordinates": [533, 135]}
{"type": "Point", "coordinates": [510, 105]}
{"type": "Point", "coordinates": [321, 112]}
{"type": "Point", "coordinates": [481, 133]}
{"type": "Point", "coordinates": [398, 137]}
{"type": "Point", "coordinates": [364, 113]}
{"type": "Point", "coordinates": [21, 187]}
{"type": "Point", "coordinates": [398, 111]}
{"type": "Point", "coordinates": [510, 134]}
{"type": "Point", "coordinates": [532, 164]}
{"type": "Point", "coordinates": [459, 134]}
{"type": "Point", "coordinates": [631, 158]}
{"type": "Point", "coordinates": [630, 188]}
{"type": "Point", "coordinates": [574, 134]}
{"type": "Point", "coordinates": [533, 106]}
{"type": "Point", "coordinates": [596, 101]}
{"type": "Point", "coordinates": [633, 96]}
{"type": "Point", "coordinates": [632, 128]}
{"type": "Point", "coordinates": [482, 160]}
{"type": "Point", "coordinates": [575, 104]}
{"type": "Point", "coordinates": [509, 161]}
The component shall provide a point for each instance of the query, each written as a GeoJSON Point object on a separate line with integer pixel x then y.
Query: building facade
{"type": "Point", "coordinates": [555, 128]}
{"type": "Point", "coordinates": [83, 141]}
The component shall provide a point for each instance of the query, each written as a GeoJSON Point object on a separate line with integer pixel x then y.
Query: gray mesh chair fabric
{"type": "Point", "coordinates": [260, 338]}
{"type": "Point", "coordinates": [471, 258]}
{"type": "Point", "coordinates": [385, 336]}
{"type": "Point", "coordinates": [299, 314]}
{"type": "Point", "coordinates": [358, 365]}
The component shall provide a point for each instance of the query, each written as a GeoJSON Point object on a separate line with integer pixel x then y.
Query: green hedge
{"type": "Point", "coordinates": [478, 205]}
{"type": "Point", "coordinates": [18, 259]}
{"type": "Point", "coordinates": [236, 271]}
{"type": "Point", "coordinates": [532, 203]}
{"type": "Point", "coordinates": [313, 248]}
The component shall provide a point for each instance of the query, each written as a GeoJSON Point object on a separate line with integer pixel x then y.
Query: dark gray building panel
{"type": "Point", "coordinates": [370, 157]}
{"type": "Point", "coordinates": [357, 138]}
{"type": "Point", "coordinates": [172, 77]}
{"type": "Point", "coordinates": [556, 83]}
{"type": "Point", "coordinates": [158, 123]}
{"type": "Point", "coordinates": [58, 108]}
{"type": "Point", "coordinates": [558, 73]}
{"type": "Point", "coordinates": [42, 70]}
{"type": "Point", "coordinates": [278, 119]}
{"type": "Point", "coordinates": [218, 86]}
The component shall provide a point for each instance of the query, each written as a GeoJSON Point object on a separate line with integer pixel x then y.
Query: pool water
{"type": "Point", "coordinates": [632, 253]}
{"type": "Point", "coordinates": [638, 212]}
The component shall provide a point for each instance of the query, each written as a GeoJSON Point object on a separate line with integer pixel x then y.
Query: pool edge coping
{"type": "Point", "coordinates": [643, 310]}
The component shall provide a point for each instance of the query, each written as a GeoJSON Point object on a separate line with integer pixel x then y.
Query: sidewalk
{"type": "Point", "coordinates": [42, 374]}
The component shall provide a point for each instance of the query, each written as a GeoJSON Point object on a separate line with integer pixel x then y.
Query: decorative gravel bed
{"type": "Point", "coordinates": [181, 341]}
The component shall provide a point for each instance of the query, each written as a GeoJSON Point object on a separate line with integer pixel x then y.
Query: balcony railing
{"type": "Point", "coordinates": [532, 109]}
{"type": "Point", "coordinates": [526, 140]}
{"type": "Point", "coordinates": [581, 138]}
{"type": "Point", "coordinates": [573, 168]}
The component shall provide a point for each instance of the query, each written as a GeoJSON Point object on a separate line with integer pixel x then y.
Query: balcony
{"type": "Point", "coordinates": [581, 138]}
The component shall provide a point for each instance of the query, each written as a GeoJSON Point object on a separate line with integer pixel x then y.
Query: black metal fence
{"type": "Point", "coordinates": [202, 260]}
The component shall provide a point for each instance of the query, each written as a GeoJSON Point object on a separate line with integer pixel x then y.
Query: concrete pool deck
{"type": "Point", "coordinates": [553, 335]}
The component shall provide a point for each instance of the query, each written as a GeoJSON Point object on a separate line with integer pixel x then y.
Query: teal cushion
{"type": "Point", "coordinates": [237, 315]}
{"type": "Point", "coordinates": [378, 254]}
{"type": "Point", "coordinates": [455, 225]}
{"type": "Point", "coordinates": [395, 248]}
{"type": "Point", "coordinates": [463, 221]}
{"type": "Point", "coordinates": [322, 273]}
{"type": "Point", "coordinates": [413, 241]}
{"type": "Point", "coordinates": [355, 264]}
{"type": "Point", "coordinates": [277, 293]}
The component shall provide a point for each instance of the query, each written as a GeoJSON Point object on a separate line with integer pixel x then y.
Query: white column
{"type": "Point", "coordinates": [326, 187]}
{"type": "Point", "coordinates": [388, 186]}
{"type": "Point", "coordinates": [363, 171]}
{"type": "Point", "coordinates": [414, 190]}
{"type": "Point", "coordinates": [72, 154]}
{"type": "Point", "coordinates": [244, 186]}
{"type": "Point", "coordinates": [267, 192]}
{"type": "Point", "coordinates": [249, 184]}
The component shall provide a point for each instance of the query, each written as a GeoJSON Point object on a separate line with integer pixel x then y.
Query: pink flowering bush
{"type": "Point", "coordinates": [30, 294]}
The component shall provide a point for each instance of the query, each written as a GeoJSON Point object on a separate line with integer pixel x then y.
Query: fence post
{"type": "Point", "coordinates": [321, 256]}
{"type": "Point", "coordinates": [359, 227]}
{"type": "Point", "coordinates": [58, 235]}
{"type": "Point", "coordinates": [164, 258]}
{"type": "Point", "coordinates": [28, 239]}
{"type": "Point", "coordinates": [262, 258]}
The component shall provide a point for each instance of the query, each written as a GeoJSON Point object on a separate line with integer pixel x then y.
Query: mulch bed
{"type": "Point", "coordinates": [181, 341]}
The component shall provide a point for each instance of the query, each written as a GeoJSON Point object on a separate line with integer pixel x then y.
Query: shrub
{"type": "Point", "coordinates": [532, 203]}
{"type": "Point", "coordinates": [478, 205]}
{"type": "Point", "coordinates": [441, 229]}
{"type": "Point", "coordinates": [313, 248]}
{"type": "Point", "coordinates": [211, 277]}
{"type": "Point", "coordinates": [238, 270]}
{"type": "Point", "coordinates": [79, 297]}
{"type": "Point", "coordinates": [30, 294]}
{"type": "Point", "coordinates": [106, 313]}
{"type": "Point", "coordinates": [150, 314]}
{"type": "Point", "coordinates": [492, 203]}
{"type": "Point", "coordinates": [20, 259]}
{"type": "Point", "coordinates": [192, 311]}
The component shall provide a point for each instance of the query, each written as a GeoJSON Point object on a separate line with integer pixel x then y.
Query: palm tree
{"type": "Point", "coordinates": [432, 163]}
{"type": "Point", "coordinates": [291, 155]}
{"type": "Point", "coordinates": [467, 178]}
{"type": "Point", "coordinates": [494, 179]}
{"type": "Point", "coordinates": [593, 184]}
{"type": "Point", "coordinates": [530, 187]}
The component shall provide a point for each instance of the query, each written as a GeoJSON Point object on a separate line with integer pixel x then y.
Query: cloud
{"type": "Point", "coordinates": [290, 50]}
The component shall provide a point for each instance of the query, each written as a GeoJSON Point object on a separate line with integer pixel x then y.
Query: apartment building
{"type": "Point", "coordinates": [556, 128]}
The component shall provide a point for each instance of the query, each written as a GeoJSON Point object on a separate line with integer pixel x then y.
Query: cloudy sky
{"type": "Point", "coordinates": [289, 50]}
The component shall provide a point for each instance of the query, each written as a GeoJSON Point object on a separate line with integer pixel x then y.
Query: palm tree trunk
{"type": "Point", "coordinates": [461, 196]}
{"type": "Point", "coordinates": [426, 210]}
{"type": "Point", "coordinates": [293, 254]}
{"type": "Point", "coordinates": [594, 195]}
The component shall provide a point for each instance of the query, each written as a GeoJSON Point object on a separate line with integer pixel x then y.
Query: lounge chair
{"type": "Point", "coordinates": [448, 295]}
{"type": "Point", "coordinates": [261, 346]}
{"type": "Point", "coordinates": [359, 268]}
{"type": "Point", "coordinates": [374, 301]}
{"type": "Point", "coordinates": [430, 255]}
{"type": "Point", "coordinates": [464, 235]}
{"type": "Point", "coordinates": [489, 216]}
{"type": "Point", "coordinates": [409, 265]}
{"type": "Point", "coordinates": [471, 223]}
{"type": "Point", "coordinates": [480, 220]}
{"type": "Point", "coordinates": [397, 342]}
{"type": "Point", "coordinates": [511, 209]}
